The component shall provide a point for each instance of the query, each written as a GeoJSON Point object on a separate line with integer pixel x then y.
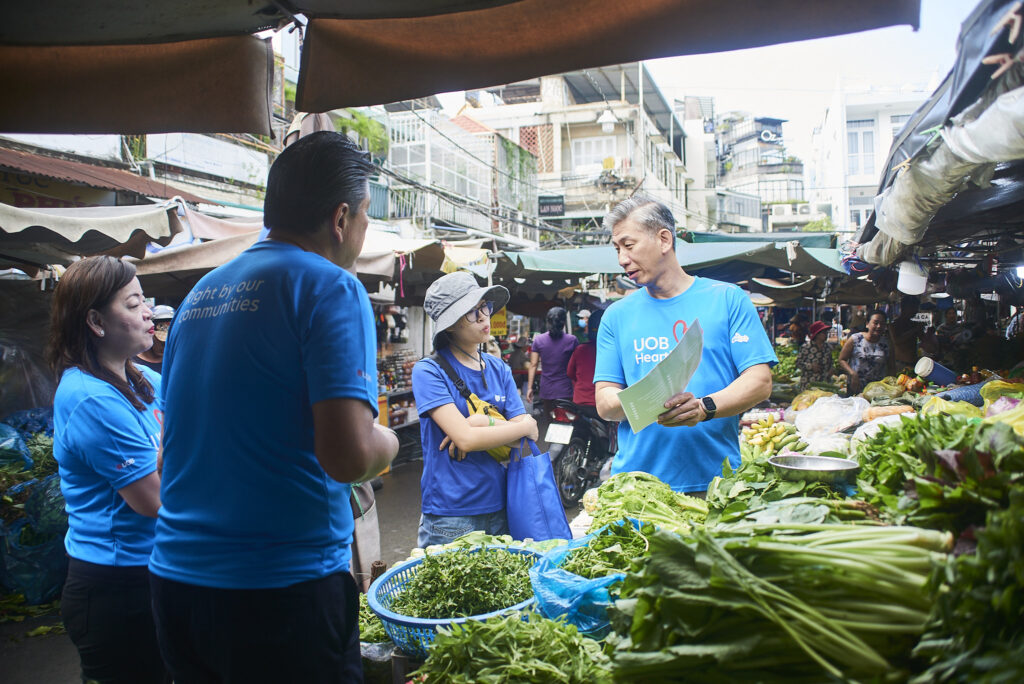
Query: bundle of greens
{"type": "Point", "coordinates": [976, 633]}
{"type": "Point", "coordinates": [507, 650]}
{"type": "Point", "coordinates": [754, 484]}
{"type": "Point", "coordinates": [371, 629]}
{"type": "Point", "coordinates": [786, 368]}
{"type": "Point", "coordinates": [480, 538]}
{"type": "Point", "coordinates": [941, 472]}
{"type": "Point", "coordinates": [648, 499]}
{"type": "Point", "coordinates": [748, 601]}
{"type": "Point", "coordinates": [465, 582]}
{"type": "Point", "coordinates": [611, 551]}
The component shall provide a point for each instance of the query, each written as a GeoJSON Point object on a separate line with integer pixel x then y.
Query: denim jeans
{"type": "Point", "coordinates": [443, 529]}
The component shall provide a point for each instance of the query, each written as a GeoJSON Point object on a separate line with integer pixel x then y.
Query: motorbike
{"type": "Point", "coordinates": [580, 445]}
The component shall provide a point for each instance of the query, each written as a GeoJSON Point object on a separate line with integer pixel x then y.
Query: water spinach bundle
{"type": "Point", "coordinates": [508, 650]}
{"type": "Point", "coordinates": [749, 601]}
{"type": "Point", "coordinates": [465, 582]}
{"type": "Point", "coordinates": [611, 551]}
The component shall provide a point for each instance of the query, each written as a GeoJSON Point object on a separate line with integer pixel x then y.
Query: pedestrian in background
{"type": "Point", "coordinates": [106, 439]}
{"type": "Point", "coordinates": [551, 351]}
{"type": "Point", "coordinates": [154, 356]}
{"type": "Point", "coordinates": [581, 368]}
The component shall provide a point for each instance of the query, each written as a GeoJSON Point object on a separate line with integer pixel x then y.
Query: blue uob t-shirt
{"type": "Point", "coordinates": [103, 444]}
{"type": "Point", "coordinates": [476, 484]}
{"type": "Point", "coordinates": [256, 343]}
{"type": "Point", "coordinates": [638, 331]}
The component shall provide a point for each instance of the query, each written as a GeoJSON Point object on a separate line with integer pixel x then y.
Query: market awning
{"type": "Point", "coordinates": [30, 238]}
{"type": "Point", "coordinates": [89, 174]}
{"type": "Point", "coordinates": [560, 263]}
{"type": "Point", "coordinates": [136, 67]}
{"type": "Point", "coordinates": [821, 240]}
{"type": "Point", "coordinates": [173, 272]}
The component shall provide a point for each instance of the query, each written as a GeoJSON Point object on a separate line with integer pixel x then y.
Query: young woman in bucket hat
{"type": "Point", "coordinates": [463, 486]}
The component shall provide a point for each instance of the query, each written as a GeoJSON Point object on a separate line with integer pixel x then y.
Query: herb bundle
{"type": "Point", "coordinates": [507, 650]}
{"type": "Point", "coordinates": [371, 629]}
{"type": "Point", "coordinates": [463, 583]}
{"type": "Point", "coordinates": [611, 551]}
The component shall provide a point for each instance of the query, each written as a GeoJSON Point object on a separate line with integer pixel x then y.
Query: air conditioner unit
{"type": "Point", "coordinates": [804, 209]}
{"type": "Point", "coordinates": [780, 210]}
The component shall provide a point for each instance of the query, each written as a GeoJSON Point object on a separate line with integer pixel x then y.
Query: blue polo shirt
{"type": "Point", "coordinates": [476, 484]}
{"type": "Point", "coordinates": [103, 444]}
{"type": "Point", "coordinates": [639, 331]}
{"type": "Point", "coordinates": [255, 344]}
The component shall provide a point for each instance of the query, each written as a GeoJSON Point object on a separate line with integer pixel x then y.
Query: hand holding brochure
{"type": "Point", "coordinates": [644, 401]}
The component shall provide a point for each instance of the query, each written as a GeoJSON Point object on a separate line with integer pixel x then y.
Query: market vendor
{"type": "Point", "coordinates": [463, 486]}
{"type": "Point", "coordinates": [867, 356]}
{"type": "Point", "coordinates": [815, 357]}
{"type": "Point", "coordinates": [106, 421]}
{"type": "Point", "coordinates": [270, 392]}
{"type": "Point", "coordinates": [700, 426]}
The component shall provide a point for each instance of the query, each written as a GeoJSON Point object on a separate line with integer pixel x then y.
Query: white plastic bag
{"type": "Point", "coordinates": [829, 415]}
{"type": "Point", "coordinates": [870, 429]}
{"type": "Point", "coordinates": [823, 443]}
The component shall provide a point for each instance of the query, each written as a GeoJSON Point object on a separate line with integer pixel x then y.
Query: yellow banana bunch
{"type": "Point", "coordinates": [771, 437]}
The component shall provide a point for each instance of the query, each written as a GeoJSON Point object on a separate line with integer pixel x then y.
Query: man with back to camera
{"type": "Point", "coordinates": [700, 426]}
{"type": "Point", "coordinates": [270, 392]}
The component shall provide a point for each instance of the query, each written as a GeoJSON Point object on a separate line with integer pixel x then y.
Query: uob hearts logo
{"type": "Point", "coordinates": [675, 329]}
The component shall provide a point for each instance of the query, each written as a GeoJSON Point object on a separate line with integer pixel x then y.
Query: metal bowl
{"type": "Point", "coordinates": [815, 468]}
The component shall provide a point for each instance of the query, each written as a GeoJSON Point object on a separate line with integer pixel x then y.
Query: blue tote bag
{"type": "Point", "coordinates": [533, 506]}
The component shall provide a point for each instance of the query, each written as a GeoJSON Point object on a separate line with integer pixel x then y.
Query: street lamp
{"type": "Point", "coordinates": [607, 121]}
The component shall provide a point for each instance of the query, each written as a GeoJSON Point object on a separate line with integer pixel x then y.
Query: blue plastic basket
{"type": "Point", "coordinates": [414, 635]}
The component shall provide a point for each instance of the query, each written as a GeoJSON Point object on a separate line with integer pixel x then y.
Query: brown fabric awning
{"type": "Point", "coordinates": [351, 62]}
{"type": "Point", "coordinates": [207, 85]}
{"type": "Point", "coordinates": [90, 174]}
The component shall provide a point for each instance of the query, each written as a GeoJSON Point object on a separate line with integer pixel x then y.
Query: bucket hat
{"type": "Point", "coordinates": [452, 296]}
{"type": "Point", "coordinates": [162, 312]}
{"type": "Point", "coordinates": [817, 327]}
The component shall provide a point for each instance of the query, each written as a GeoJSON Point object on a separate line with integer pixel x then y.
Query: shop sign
{"type": "Point", "coordinates": [551, 205]}
{"type": "Point", "coordinates": [209, 155]}
{"type": "Point", "coordinates": [499, 323]}
{"type": "Point", "coordinates": [35, 192]}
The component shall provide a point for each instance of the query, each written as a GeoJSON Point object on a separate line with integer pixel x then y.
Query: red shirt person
{"type": "Point", "coordinates": [581, 365]}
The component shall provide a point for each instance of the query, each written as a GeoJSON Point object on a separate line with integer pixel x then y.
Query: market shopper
{"type": "Point", "coordinates": [154, 356]}
{"type": "Point", "coordinates": [700, 426]}
{"type": "Point", "coordinates": [463, 486]}
{"type": "Point", "coordinates": [815, 357]}
{"type": "Point", "coordinates": [866, 356]}
{"type": "Point", "coordinates": [581, 367]}
{"type": "Point", "coordinates": [270, 389]}
{"type": "Point", "coordinates": [551, 351]}
{"type": "Point", "coordinates": [106, 418]}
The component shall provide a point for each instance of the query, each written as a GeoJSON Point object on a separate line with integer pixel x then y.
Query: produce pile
{"type": "Point", "coordinates": [772, 437]}
{"type": "Point", "coordinates": [371, 629]}
{"type": "Point", "coordinates": [462, 583]}
{"type": "Point", "coordinates": [612, 550]}
{"type": "Point", "coordinates": [645, 498]}
{"type": "Point", "coordinates": [511, 649]}
{"type": "Point", "coordinates": [748, 602]}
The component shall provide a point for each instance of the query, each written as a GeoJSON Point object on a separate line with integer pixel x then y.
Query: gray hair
{"type": "Point", "coordinates": [645, 211]}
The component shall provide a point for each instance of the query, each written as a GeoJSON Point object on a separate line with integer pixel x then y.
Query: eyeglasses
{"type": "Point", "coordinates": [485, 309]}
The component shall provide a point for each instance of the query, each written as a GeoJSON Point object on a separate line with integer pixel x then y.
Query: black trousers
{"type": "Point", "coordinates": [306, 632]}
{"type": "Point", "coordinates": [108, 615]}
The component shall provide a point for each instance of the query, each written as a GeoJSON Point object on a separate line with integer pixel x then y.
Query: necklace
{"type": "Point", "coordinates": [479, 358]}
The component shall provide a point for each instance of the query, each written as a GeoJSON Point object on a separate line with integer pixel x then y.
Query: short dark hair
{"type": "Point", "coordinates": [877, 312]}
{"type": "Point", "coordinates": [648, 212]}
{"type": "Point", "coordinates": [310, 178]}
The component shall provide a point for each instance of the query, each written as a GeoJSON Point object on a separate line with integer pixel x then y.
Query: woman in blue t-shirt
{"type": "Point", "coordinates": [463, 487]}
{"type": "Point", "coordinates": [106, 442]}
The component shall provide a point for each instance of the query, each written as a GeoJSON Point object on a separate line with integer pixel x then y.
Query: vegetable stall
{"type": "Point", "coordinates": [904, 564]}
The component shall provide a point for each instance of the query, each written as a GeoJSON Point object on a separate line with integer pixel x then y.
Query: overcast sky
{"type": "Point", "coordinates": [795, 81]}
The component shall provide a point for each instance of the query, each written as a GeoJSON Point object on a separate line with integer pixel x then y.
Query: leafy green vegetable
{"type": "Point", "coordinates": [754, 601]}
{"type": "Point", "coordinates": [463, 583]}
{"type": "Point", "coordinates": [975, 633]}
{"type": "Point", "coordinates": [507, 650]}
{"type": "Point", "coordinates": [479, 538]}
{"type": "Point", "coordinates": [371, 629]}
{"type": "Point", "coordinates": [612, 551]}
{"type": "Point", "coordinates": [648, 499]}
{"type": "Point", "coordinates": [941, 472]}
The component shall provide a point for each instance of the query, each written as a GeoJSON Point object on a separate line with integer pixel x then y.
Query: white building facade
{"type": "Point", "coordinates": [850, 149]}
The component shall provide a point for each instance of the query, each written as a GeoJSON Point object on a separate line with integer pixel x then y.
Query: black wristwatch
{"type": "Point", "coordinates": [709, 407]}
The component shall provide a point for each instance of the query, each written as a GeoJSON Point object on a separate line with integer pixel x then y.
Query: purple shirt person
{"type": "Point", "coordinates": [553, 349]}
